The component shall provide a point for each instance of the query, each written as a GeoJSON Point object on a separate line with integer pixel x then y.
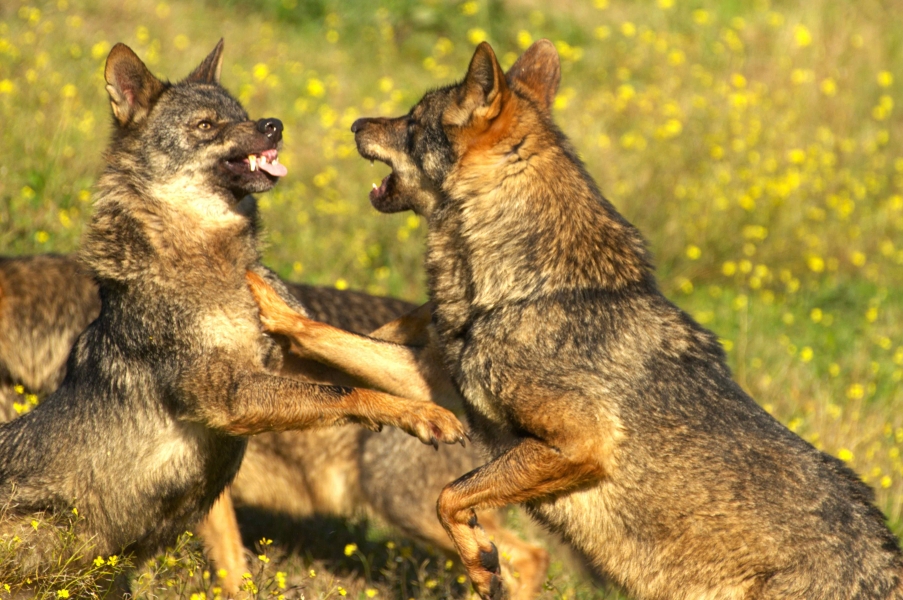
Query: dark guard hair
{"type": "Point", "coordinates": [149, 425]}
{"type": "Point", "coordinates": [608, 412]}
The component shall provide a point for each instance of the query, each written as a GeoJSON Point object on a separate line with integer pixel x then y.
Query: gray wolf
{"type": "Point", "coordinates": [162, 389]}
{"type": "Point", "coordinates": [608, 412]}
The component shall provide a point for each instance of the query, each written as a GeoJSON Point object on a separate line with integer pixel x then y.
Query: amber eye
{"type": "Point", "coordinates": [205, 125]}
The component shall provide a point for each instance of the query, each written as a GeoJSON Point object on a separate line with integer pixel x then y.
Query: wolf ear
{"type": "Point", "coordinates": [484, 87]}
{"type": "Point", "coordinates": [537, 73]}
{"type": "Point", "coordinates": [132, 88]}
{"type": "Point", "coordinates": [209, 70]}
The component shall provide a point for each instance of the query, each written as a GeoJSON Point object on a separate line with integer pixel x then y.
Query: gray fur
{"type": "Point", "coordinates": [149, 425]}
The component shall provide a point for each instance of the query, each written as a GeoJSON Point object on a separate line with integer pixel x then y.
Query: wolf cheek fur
{"type": "Point", "coordinates": [146, 429]}
{"type": "Point", "coordinates": [609, 412]}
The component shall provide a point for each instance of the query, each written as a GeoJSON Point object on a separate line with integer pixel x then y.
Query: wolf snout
{"type": "Point", "coordinates": [272, 128]}
{"type": "Point", "coordinates": [358, 124]}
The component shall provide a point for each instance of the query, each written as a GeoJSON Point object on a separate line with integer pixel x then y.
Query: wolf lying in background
{"type": "Point", "coordinates": [149, 425]}
{"type": "Point", "coordinates": [608, 412]}
{"type": "Point", "coordinates": [47, 300]}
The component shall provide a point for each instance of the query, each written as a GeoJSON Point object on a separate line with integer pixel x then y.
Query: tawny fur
{"type": "Point", "coordinates": [608, 412]}
{"type": "Point", "coordinates": [46, 300]}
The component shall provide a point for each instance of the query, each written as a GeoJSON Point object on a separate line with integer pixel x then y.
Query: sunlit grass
{"type": "Point", "coordinates": [70, 571]}
{"type": "Point", "coordinates": [757, 146]}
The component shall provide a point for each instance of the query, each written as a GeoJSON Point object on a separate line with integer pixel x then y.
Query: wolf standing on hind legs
{"type": "Point", "coordinates": [148, 426]}
{"type": "Point", "coordinates": [609, 413]}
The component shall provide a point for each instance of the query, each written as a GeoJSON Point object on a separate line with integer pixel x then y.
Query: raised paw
{"type": "Point", "coordinates": [489, 560]}
{"type": "Point", "coordinates": [431, 424]}
{"type": "Point", "coordinates": [275, 315]}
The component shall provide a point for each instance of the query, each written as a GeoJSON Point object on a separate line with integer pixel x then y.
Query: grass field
{"type": "Point", "coordinates": [756, 144]}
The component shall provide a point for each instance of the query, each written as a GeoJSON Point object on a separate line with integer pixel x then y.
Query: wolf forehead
{"type": "Point", "coordinates": [188, 101]}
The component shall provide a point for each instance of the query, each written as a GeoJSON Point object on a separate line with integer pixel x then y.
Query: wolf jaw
{"type": "Point", "coordinates": [261, 167]}
{"type": "Point", "coordinates": [266, 161]}
{"type": "Point", "coordinates": [409, 185]}
{"type": "Point", "coordinates": [380, 194]}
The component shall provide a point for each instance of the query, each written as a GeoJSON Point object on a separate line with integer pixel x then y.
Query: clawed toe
{"type": "Point", "coordinates": [489, 560]}
{"type": "Point", "coordinates": [497, 591]}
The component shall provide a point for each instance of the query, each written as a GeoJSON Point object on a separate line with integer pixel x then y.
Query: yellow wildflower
{"type": "Point", "coordinates": [802, 36]}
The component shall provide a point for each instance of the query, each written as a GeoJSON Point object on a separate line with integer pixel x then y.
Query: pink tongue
{"type": "Point", "coordinates": [276, 170]}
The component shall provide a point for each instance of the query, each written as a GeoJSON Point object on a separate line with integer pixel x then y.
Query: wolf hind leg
{"type": "Point", "coordinates": [400, 484]}
{"type": "Point", "coordinates": [528, 471]}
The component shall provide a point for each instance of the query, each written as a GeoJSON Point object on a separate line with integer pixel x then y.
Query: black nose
{"type": "Point", "coordinates": [356, 126]}
{"type": "Point", "coordinates": [272, 128]}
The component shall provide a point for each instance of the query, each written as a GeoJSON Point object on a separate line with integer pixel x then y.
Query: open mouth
{"type": "Point", "coordinates": [266, 162]}
{"type": "Point", "coordinates": [380, 194]}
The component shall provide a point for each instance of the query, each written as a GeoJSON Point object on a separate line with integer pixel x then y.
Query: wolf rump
{"type": "Point", "coordinates": [609, 413]}
{"type": "Point", "coordinates": [148, 426]}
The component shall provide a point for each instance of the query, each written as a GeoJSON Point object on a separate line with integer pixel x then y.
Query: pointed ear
{"type": "Point", "coordinates": [209, 70]}
{"type": "Point", "coordinates": [484, 86]}
{"type": "Point", "coordinates": [537, 73]}
{"type": "Point", "coordinates": [132, 87]}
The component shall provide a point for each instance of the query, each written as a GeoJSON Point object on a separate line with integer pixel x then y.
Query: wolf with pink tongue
{"type": "Point", "coordinates": [149, 425]}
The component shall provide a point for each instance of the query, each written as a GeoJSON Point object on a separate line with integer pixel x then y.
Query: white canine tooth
{"type": "Point", "coordinates": [263, 159]}
{"type": "Point", "coordinates": [252, 160]}
{"type": "Point", "coordinates": [374, 186]}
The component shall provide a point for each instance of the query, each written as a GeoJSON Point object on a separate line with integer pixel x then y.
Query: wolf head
{"type": "Point", "coordinates": [500, 186]}
{"type": "Point", "coordinates": [490, 117]}
{"type": "Point", "coordinates": [191, 135]}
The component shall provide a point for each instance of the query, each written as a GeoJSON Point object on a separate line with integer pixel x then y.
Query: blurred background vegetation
{"type": "Point", "coordinates": [756, 144]}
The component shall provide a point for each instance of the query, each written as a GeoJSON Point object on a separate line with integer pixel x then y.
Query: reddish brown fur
{"type": "Point", "coordinates": [411, 368]}
{"type": "Point", "coordinates": [609, 412]}
{"type": "Point", "coordinates": [45, 301]}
